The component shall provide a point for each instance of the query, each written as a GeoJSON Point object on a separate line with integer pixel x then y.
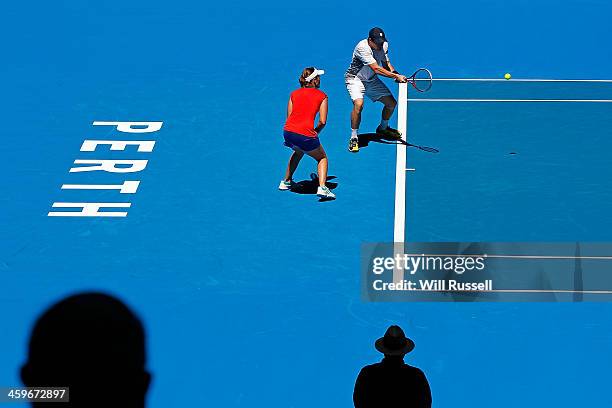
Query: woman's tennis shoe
{"type": "Point", "coordinates": [285, 185]}
{"type": "Point", "coordinates": [325, 192]}
{"type": "Point", "coordinates": [389, 132]}
{"type": "Point", "coordinates": [353, 145]}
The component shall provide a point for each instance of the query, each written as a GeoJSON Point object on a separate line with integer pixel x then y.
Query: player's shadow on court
{"type": "Point", "coordinates": [310, 186]}
{"type": "Point", "coordinates": [366, 138]}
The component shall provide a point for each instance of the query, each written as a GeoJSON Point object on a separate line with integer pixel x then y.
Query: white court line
{"type": "Point", "coordinates": [588, 292]}
{"type": "Point", "coordinates": [599, 257]}
{"type": "Point", "coordinates": [510, 100]}
{"type": "Point", "coordinates": [521, 80]}
{"type": "Point", "coordinates": [399, 223]}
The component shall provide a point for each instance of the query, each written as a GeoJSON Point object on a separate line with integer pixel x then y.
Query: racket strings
{"type": "Point", "coordinates": [422, 80]}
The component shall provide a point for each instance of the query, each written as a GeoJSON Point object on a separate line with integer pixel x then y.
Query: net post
{"type": "Point", "coordinates": [399, 225]}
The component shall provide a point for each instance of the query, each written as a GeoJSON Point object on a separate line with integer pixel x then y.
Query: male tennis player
{"type": "Point", "coordinates": [370, 59]}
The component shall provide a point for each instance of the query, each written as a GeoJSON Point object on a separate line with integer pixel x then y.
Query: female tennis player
{"type": "Point", "coordinates": [300, 135]}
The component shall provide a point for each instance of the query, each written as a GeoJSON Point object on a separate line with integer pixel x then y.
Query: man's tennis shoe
{"type": "Point", "coordinates": [389, 132]}
{"type": "Point", "coordinates": [285, 185]}
{"type": "Point", "coordinates": [325, 192]}
{"type": "Point", "coordinates": [353, 145]}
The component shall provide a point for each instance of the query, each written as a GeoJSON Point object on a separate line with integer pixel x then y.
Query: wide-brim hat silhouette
{"type": "Point", "coordinates": [394, 342]}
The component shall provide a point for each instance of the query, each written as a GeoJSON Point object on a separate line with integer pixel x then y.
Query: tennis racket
{"type": "Point", "coordinates": [421, 80]}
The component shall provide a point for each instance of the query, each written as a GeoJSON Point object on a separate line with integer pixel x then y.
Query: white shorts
{"type": "Point", "coordinates": [373, 89]}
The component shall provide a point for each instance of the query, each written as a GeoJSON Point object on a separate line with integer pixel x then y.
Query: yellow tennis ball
{"type": "Point", "coordinates": [507, 76]}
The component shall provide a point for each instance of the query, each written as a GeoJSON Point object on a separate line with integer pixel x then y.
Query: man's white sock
{"type": "Point", "coordinates": [354, 134]}
{"type": "Point", "coordinates": [384, 124]}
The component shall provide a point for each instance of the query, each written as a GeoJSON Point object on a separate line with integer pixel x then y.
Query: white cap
{"type": "Point", "coordinates": [314, 74]}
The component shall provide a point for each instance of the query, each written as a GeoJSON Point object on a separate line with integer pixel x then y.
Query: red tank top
{"type": "Point", "coordinates": [306, 104]}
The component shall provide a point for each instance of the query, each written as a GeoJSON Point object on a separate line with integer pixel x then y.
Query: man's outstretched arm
{"type": "Point", "coordinates": [388, 72]}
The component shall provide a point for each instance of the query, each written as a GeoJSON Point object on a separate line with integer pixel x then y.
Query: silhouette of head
{"type": "Point", "coordinates": [394, 343]}
{"type": "Point", "coordinates": [94, 344]}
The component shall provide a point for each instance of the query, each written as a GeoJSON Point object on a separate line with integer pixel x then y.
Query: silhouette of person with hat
{"type": "Point", "coordinates": [392, 383]}
{"type": "Point", "coordinates": [93, 344]}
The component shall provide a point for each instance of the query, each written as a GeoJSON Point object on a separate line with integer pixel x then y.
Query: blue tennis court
{"type": "Point", "coordinates": [510, 170]}
{"type": "Point", "coordinates": [250, 296]}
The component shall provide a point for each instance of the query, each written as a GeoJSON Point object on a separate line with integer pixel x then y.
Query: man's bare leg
{"type": "Point", "coordinates": [356, 114]}
{"type": "Point", "coordinates": [355, 122]}
{"type": "Point", "coordinates": [390, 104]}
